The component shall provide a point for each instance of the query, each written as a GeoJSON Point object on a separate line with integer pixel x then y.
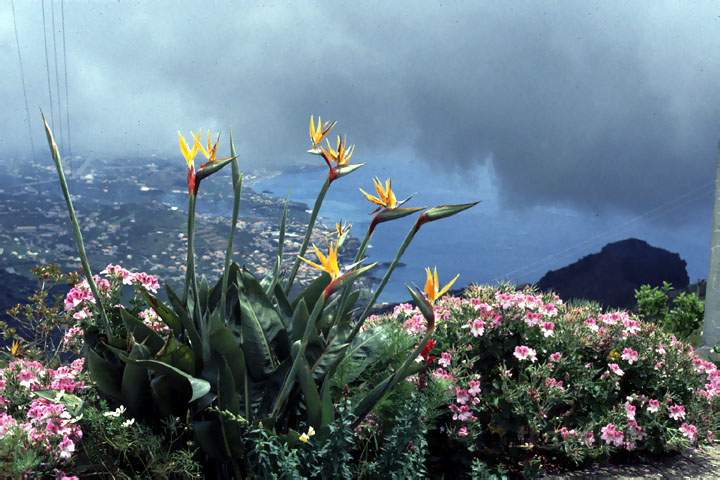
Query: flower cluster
{"type": "Point", "coordinates": [80, 302]}
{"type": "Point", "coordinates": [28, 415]}
{"type": "Point", "coordinates": [564, 375]}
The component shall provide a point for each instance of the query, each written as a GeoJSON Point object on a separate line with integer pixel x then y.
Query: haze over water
{"type": "Point", "coordinates": [492, 242]}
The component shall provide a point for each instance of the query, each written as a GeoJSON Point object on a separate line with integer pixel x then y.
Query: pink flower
{"type": "Point", "coordinates": [690, 431]}
{"type": "Point", "coordinates": [403, 309]}
{"type": "Point", "coordinates": [525, 353]}
{"type": "Point", "coordinates": [630, 355]}
{"type": "Point", "coordinates": [462, 413]}
{"type": "Point", "coordinates": [615, 368]}
{"type": "Point", "coordinates": [589, 439]}
{"type": "Point", "coordinates": [7, 422]}
{"type": "Point", "coordinates": [612, 436]}
{"type": "Point", "coordinates": [442, 374]}
{"type": "Point", "coordinates": [67, 447]}
{"type": "Point", "coordinates": [630, 410]}
{"type": "Point", "coordinates": [565, 433]}
{"type": "Point", "coordinates": [474, 389]}
{"type": "Point", "coordinates": [461, 396]}
{"type": "Point", "coordinates": [632, 327]}
{"type": "Point", "coordinates": [676, 412]}
{"type": "Point", "coordinates": [653, 406]}
{"type": "Point", "coordinates": [477, 327]}
{"type": "Point", "coordinates": [591, 323]}
{"type": "Point", "coordinates": [445, 359]}
{"type": "Point", "coordinates": [415, 325]}
{"type": "Point", "coordinates": [555, 357]}
{"type": "Point", "coordinates": [548, 328]}
{"type": "Point", "coordinates": [554, 383]}
{"type": "Point", "coordinates": [149, 282]}
{"type": "Point", "coordinates": [463, 431]}
{"type": "Point", "coordinates": [533, 318]}
{"type": "Point", "coordinates": [549, 309]}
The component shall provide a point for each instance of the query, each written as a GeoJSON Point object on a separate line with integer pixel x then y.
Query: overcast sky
{"type": "Point", "coordinates": [607, 104]}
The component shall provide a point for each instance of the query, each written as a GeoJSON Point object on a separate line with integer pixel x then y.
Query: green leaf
{"type": "Point", "coordinates": [310, 392]}
{"type": "Point", "coordinates": [105, 375]}
{"type": "Point", "coordinates": [444, 211]}
{"type": "Point", "coordinates": [299, 321]}
{"type": "Point", "coordinates": [187, 323]}
{"type": "Point", "coordinates": [163, 311]}
{"type": "Point", "coordinates": [198, 386]}
{"type": "Point", "coordinates": [388, 214]}
{"type": "Point", "coordinates": [312, 292]}
{"type": "Point", "coordinates": [141, 332]}
{"type": "Point", "coordinates": [177, 354]}
{"type": "Point", "coordinates": [422, 303]}
{"type": "Point", "coordinates": [227, 344]}
{"type": "Point", "coordinates": [342, 171]}
{"type": "Point", "coordinates": [135, 387]}
{"type": "Point", "coordinates": [213, 167]}
{"type": "Point", "coordinates": [282, 301]}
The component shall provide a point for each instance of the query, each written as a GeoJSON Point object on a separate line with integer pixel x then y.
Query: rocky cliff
{"type": "Point", "coordinates": [611, 276]}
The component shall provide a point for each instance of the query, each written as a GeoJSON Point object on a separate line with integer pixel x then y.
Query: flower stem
{"type": "Point", "coordinates": [308, 233]}
{"type": "Point", "coordinates": [76, 226]}
{"type": "Point", "coordinates": [383, 282]}
{"type": "Point", "coordinates": [190, 262]}
{"type": "Point", "coordinates": [345, 295]}
{"type": "Point", "coordinates": [237, 180]}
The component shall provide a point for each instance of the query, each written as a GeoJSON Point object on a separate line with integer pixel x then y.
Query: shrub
{"type": "Point", "coordinates": [537, 382]}
{"type": "Point", "coordinates": [51, 422]}
{"type": "Point", "coordinates": [681, 316]}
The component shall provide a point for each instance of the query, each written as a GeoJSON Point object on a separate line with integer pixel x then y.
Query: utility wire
{"type": "Point", "coordinates": [67, 97]}
{"type": "Point", "coordinates": [47, 64]}
{"type": "Point", "coordinates": [22, 79]}
{"type": "Point", "coordinates": [57, 71]}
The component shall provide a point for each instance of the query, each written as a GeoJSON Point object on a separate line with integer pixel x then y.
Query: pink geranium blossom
{"type": "Point", "coordinates": [676, 412]}
{"type": "Point", "coordinates": [477, 327]}
{"type": "Point", "coordinates": [629, 355]}
{"type": "Point", "coordinates": [523, 352]}
{"type": "Point", "coordinates": [690, 431]}
{"type": "Point", "coordinates": [612, 436]}
{"type": "Point", "coordinates": [615, 368]}
{"type": "Point", "coordinates": [653, 406]}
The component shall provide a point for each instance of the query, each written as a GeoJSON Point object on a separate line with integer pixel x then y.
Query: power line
{"type": "Point", "coordinates": [67, 100]}
{"type": "Point", "coordinates": [22, 79]}
{"type": "Point", "coordinates": [47, 65]}
{"type": "Point", "coordinates": [659, 210]}
{"type": "Point", "coordinates": [57, 69]}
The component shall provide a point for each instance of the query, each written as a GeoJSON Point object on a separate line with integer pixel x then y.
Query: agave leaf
{"type": "Point", "coordinates": [198, 387]}
{"type": "Point", "coordinates": [263, 328]}
{"type": "Point", "coordinates": [105, 375]}
{"type": "Point", "coordinates": [178, 355]}
{"type": "Point", "coordinates": [135, 386]}
{"type": "Point", "coordinates": [310, 392]}
{"type": "Point", "coordinates": [227, 344]}
{"type": "Point", "coordinates": [283, 303]}
{"type": "Point", "coordinates": [164, 312]}
{"type": "Point", "coordinates": [187, 322]}
{"type": "Point", "coordinates": [209, 437]}
{"type": "Point", "coordinates": [444, 211]}
{"type": "Point", "coordinates": [141, 332]}
{"type": "Point", "coordinates": [299, 321]}
{"type": "Point", "coordinates": [312, 292]}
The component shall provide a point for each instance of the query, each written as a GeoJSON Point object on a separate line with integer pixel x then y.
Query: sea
{"type": "Point", "coordinates": [494, 241]}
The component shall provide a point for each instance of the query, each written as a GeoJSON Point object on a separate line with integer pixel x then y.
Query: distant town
{"type": "Point", "coordinates": [133, 213]}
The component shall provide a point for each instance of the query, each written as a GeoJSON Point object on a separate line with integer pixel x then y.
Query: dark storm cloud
{"type": "Point", "coordinates": [597, 104]}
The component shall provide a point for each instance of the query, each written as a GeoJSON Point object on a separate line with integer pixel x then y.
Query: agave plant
{"type": "Point", "coordinates": [258, 349]}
